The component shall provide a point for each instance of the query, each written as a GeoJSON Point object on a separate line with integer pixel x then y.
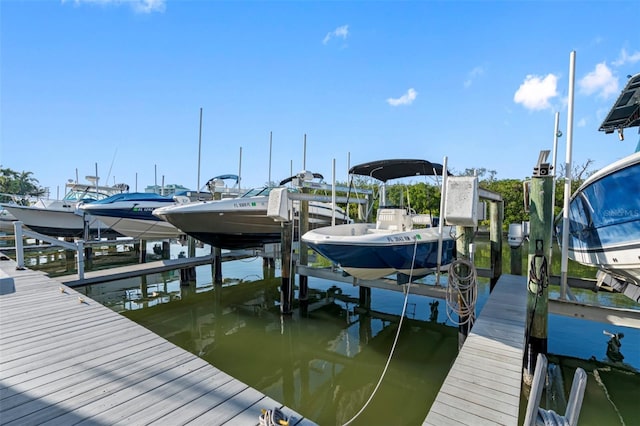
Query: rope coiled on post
{"type": "Point", "coordinates": [462, 292]}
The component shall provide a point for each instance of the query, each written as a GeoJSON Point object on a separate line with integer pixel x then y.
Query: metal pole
{"type": "Point", "coordinates": [443, 192]}
{"type": "Point", "coordinates": [333, 193]}
{"type": "Point", "coordinates": [304, 154]}
{"type": "Point", "coordinates": [270, 151]}
{"type": "Point", "coordinates": [556, 135]}
{"type": "Point", "coordinates": [199, 150]}
{"type": "Point", "coordinates": [567, 181]}
{"type": "Point", "coordinates": [240, 170]}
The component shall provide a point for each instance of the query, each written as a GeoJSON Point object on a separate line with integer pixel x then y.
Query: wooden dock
{"type": "Point", "coordinates": [66, 359]}
{"type": "Point", "coordinates": [122, 272]}
{"type": "Point", "coordinates": [484, 384]}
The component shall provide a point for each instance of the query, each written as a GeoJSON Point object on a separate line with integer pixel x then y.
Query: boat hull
{"type": "Point", "coordinates": [59, 222]}
{"type": "Point", "coordinates": [145, 229]}
{"type": "Point", "coordinates": [135, 218]}
{"type": "Point", "coordinates": [604, 220]}
{"type": "Point", "coordinates": [235, 223]}
{"type": "Point", "coordinates": [367, 253]}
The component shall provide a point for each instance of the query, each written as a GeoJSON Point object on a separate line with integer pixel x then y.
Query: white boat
{"type": "Point", "coordinates": [241, 222]}
{"type": "Point", "coordinates": [62, 218]}
{"type": "Point", "coordinates": [604, 212]}
{"type": "Point", "coordinates": [131, 214]}
{"type": "Point", "coordinates": [604, 220]}
{"type": "Point", "coordinates": [400, 242]}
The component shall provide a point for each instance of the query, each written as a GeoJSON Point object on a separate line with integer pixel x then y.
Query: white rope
{"type": "Point", "coordinates": [395, 340]}
{"type": "Point", "coordinates": [462, 292]}
{"type": "Point", "coordinates": [273, 417]}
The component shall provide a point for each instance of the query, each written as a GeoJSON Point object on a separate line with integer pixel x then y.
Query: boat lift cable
{"type": "Point", "coordinates": [395, 340]}
{"type": "Point", "coordinates": [462, 292]}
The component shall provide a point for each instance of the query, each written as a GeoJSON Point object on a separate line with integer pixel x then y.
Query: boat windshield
{"type": "Point", "coordinates": [257, 191]}
{"type": "Point", "coordinates": [611, 199]}
{"type": "Point", "coordinates": [75, 195]}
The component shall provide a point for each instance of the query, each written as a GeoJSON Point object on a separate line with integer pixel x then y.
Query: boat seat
{"type": "Point", "coordinates": [393, 220]}
{"type": "Point", "coordinates": [421, 219]}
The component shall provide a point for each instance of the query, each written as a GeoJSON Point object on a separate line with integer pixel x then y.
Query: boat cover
{"type": "Point", "coordinates": [385, 170]}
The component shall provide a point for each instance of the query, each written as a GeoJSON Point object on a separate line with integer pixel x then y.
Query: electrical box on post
{"type": "Point", "coordinates": [278, 207]}
{"type": "Point", "coordinates": [461, 204]}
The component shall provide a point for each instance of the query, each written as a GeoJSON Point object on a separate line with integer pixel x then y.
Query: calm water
{"type": "Point", "coordinates": [326, 363]}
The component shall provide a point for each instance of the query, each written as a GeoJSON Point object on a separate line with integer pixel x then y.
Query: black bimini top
{"type": "Point", "coordinates": [383, 170]}
{"type": "Point", "coordinates": [626, 110]}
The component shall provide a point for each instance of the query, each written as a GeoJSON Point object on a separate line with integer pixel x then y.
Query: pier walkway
{"type": "Point", "coordinates": [484, 384]}
{"type": "Point", "coordinates": [65, 359]}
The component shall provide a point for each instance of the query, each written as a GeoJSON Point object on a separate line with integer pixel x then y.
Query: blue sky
{"type": "Point", "coordinates": [121, 84]}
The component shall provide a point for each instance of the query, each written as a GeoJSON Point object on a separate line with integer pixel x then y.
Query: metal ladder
{"type": "Point", "coordinates": [537, 416]}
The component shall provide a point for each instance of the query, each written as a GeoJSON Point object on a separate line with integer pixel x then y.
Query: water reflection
{"type": "Point", "coordinates": [323, 364]}
{"type": "Point", "coordinates": [325, 359]}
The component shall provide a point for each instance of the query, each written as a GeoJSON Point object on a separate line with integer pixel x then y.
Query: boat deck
{"type": "Point", "coordinates": [484, 384]}
{"type": "Point", "coordinates": [66, 359]}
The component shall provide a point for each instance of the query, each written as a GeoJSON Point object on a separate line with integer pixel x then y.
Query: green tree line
{"type": "Point", "coordinates": [425, 197]}
{"type": "Point", "coordinates": [22, 184]}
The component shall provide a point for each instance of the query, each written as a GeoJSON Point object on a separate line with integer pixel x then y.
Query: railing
{"type": "Point", "coordinates": [19, 232]}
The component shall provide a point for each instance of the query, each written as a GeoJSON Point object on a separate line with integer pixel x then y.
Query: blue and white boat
{"type": "Point", "coordinates": [604, 213]}
{"type": "Point", "coordinates": [400, 242]}
{"type": "Point", "coordinates": [131, 214]}
{"type": "Point", "coordinates": [604, 220]}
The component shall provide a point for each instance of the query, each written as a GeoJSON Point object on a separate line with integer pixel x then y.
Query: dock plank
{"type": "Point", "coordinates": [66, 361]}
{"type": "Point", "coordinates": [484, 383]}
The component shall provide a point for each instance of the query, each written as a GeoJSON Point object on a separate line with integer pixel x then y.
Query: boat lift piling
{"type": "Point", "coordinates": [540, 217]}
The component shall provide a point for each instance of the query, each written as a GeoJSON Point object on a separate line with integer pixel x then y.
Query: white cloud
{"type": "Point", "coordinates": [535, 92]}
{"type": "Point", "coordinates": [473, 74]}
{"type": "Point", "coordinates": [342, 32]}
{"type": "Point", "coordinates": [600, 81]}
{"type": "Point", "coordinates": [626, 58]}
{"type": "Point", "coordinates": [406, 99]}
{"type": "Point", "coordinates": [582, 122]}
{"type": "Point", "coordinates": [140, 6]}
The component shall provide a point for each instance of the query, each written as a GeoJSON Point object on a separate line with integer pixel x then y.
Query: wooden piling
{"type": "Point", "coordinates": [540, 217]}
{"type": "Point", "coordinates": [303, 258]}
{"type": "Point", "coordinates": [217, 265]}
{"type": "Point", "coordinates": [516, 260]}
{"type": "Point", "coordinates": [143, 251]}
{"type": "Point", "coordinates": [496, 213]}
{"type": "Point", "coordinates": [465, 238]}
{"type": "Point", "coordinates": [286, 289]}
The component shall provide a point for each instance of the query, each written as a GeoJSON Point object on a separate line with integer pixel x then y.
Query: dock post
{"type": "Point", "coordinates": [303, 258]}
{"type": "Point", "coordinates": [88, 257]}
{"type": "Point", "coordinates": [17, 232]}
{"type": "Point", "coordinates": [217, 265]}
{"type": "Point", "coordinates": [143, 251]}
{"type": "Point", "coordinates": [191, 246]}
{"type": "Point", "coordinates": [496, 212]}
{"type": "Point", "coordinates": [465, 239]}
{"type": "Point", "coordinates": [541, 215]}
{"type": "Point", "coordinates": [70, 256]}
{"type": "Point", "coordinates": [516, 260]}
{"type": "Point", "coordinates": [286, 289]}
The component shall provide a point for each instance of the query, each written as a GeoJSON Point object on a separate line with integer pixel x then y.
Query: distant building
{"type": "Point", "coordinates": [168, 190]}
